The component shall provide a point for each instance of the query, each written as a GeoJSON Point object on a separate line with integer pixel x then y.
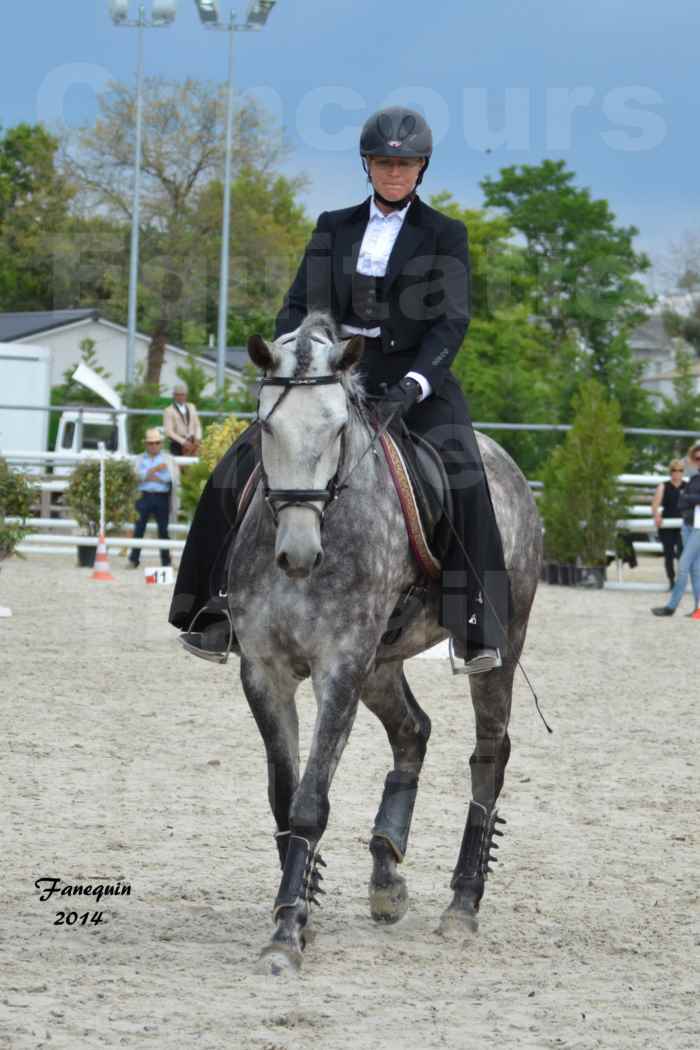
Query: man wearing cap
{"type": "Point", "coordinates": [155, 476]}
{"type": "Point", "coordinates": [181, 424]}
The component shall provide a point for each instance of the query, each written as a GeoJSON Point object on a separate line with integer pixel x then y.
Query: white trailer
{"type": "Point", "coordinates": [25, 379]}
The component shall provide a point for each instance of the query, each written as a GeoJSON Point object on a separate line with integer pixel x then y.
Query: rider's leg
{"type": "Point", "coordinates": [475, 606]}
{"type": "Point", "coordinates": [202, 569]}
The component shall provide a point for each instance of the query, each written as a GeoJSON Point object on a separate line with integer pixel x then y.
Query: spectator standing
{"type": "Point", "coordinates": [181, 424]}
{"type": "Point", "coordinates": [665, 507]}
{"type": "Point", "coordinates": [155, 473]}
{"type": "Point", "coordinates": [689, 565]}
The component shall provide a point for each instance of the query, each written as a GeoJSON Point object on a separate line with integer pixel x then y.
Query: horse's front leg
{"type": "Point", "coordinates": [388, 695]}
{"type": "Point", "coordinates": [337, 694]}
{"type": "Point", "coordinates": [491, 697]}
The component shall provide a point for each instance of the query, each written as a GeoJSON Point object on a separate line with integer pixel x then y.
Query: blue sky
{"type": "Point", "coordinates": [610, 86]}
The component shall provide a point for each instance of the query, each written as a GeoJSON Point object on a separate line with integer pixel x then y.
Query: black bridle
{"type": "Point", "coordinates": [279, 499]}
{"type": "Point", "coordinates": [334, 487]}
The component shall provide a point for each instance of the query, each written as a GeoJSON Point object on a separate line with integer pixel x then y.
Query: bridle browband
{"type": "Point", "coordinates": [279, 499]}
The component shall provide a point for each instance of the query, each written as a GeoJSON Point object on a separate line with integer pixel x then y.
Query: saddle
{"type": "Point", "coordinates": [424, 493]}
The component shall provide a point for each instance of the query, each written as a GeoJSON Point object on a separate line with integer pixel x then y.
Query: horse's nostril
{"type": "Point", "coordinates": [283, 561]}
{"type": "Point", "coordinates": [319, 559]}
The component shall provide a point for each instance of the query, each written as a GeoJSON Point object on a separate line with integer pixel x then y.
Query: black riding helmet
{"type": "Point", "coordinates": [396, 132]}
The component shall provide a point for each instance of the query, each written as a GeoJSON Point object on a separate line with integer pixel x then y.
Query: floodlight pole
{"type": "Point", "coordinates": [135, 212]}
{"type": "Point", "coordinates": [253, 22]}
{"type": "Point", "coordinates": [140, 24]}
{"type": "Point", "coordinates": [222, 335]}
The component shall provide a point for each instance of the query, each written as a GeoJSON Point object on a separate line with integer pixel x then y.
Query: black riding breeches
{"type": "Point", "coordinates": [672, 543]}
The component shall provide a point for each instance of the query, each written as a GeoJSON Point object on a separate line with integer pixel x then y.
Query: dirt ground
{"type": "Point", "coordinates": [126, 760]}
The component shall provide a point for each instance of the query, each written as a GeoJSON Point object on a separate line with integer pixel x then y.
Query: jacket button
{"type": "Point", "coordinates": [392, 343]}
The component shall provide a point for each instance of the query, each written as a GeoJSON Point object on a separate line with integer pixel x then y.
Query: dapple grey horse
{"type": "Point", "coordinates": [317, 569]}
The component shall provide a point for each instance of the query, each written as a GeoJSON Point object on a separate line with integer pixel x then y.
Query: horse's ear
{"type": "Point", "coordinates": [350, 353]}
{"type": "Point", "coordinates": [260, 353]}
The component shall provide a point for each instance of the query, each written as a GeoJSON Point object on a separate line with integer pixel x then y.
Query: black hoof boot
{"type": "Point", "coordinates": [472, 870]}
{"type": "Point", "coordinates": [388, 895]}
{"type": "Point", "coordinates": [300, 887]}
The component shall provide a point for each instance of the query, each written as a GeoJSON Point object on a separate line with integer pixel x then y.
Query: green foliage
{"type": "Point", "coordinates": [71, 392]}
{"type": "Point", "coordinates": [34, 199]}
{"type": "Point", "coordinates": [16, 493]}
{"type": "Point", "coordinates": [141, 394]}
{"type": "Point", "coordinates": [687, 328]}
{"type": "Point", "coordinates": [195, 377]}
{"type": "Point", "coordinates": [582, 501]}
{"type": "Point", "coordinates": [181, 209]}
{"type": "Point", "coordinates": [679, 412]}
{"type": "Point", "coordinates": [254, 322]}
{"type": "Point", "coordinates": [507, 373]}
{"type": "Point", "coordinates": [83, 494]}
{"type": "Point", "coordinates": [584, 264]}
{"type": "Point", "coordinates": [218, 438]}
{"type": "Point", "coordinates": [16, 499]}
{"type": "Point", "coordinates": [499, 275]}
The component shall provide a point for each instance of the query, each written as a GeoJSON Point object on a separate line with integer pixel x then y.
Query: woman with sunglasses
{"type": "Point", "coordinates": [664, 507]}
{"type": "Point", "coordinates": [689, 565]}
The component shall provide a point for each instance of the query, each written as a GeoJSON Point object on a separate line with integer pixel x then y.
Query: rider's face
{"type": "Point", "coordinates": [394, 177]}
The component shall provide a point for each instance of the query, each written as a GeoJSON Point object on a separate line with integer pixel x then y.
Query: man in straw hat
{"type": "Point", "coordinates": [155, 473]}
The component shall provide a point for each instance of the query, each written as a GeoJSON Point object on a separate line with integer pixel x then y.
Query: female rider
{"type": "Point", "coordinates": [397, 272]}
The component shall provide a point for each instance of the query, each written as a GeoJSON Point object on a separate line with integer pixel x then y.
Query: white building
{"type": "Point", "coordinates": [62, 331]}
{"type": "Point", "coordinates": [656, 350]}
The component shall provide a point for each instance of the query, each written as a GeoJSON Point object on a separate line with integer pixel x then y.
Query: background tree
{"type": "Point", "coordinates": [582, 501]}
{"type": "Point", "coordinates": [183, 135]}
{"type": "Point", "coordinates": [34, 200]}
{"type": "Point", "coordinates": [584, 265]}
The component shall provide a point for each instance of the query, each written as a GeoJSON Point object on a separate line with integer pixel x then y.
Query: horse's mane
{"type": "Point", "coordinates": [319, 328]}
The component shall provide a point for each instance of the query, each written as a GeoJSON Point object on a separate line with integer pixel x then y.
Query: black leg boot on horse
{"type": "Point", "coordinates": [200, 604]}
{"type": "Point", "coordinates": [388, 695]}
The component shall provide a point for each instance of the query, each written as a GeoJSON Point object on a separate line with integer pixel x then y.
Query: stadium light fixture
{"type": "Point", "coordinates": [259, 12]}
{"type": "Point", "coordinates": [119, 11]}
{"type": "Point", "coordinates": [208, 11]}
{"type": "Point", "coordinates": [163, 12]}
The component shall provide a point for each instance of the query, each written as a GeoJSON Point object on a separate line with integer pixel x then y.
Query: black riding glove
{"type": "Point", "coordinates": [402, 396]}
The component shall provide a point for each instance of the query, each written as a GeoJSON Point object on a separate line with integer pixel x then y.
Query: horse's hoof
{"type": "Point", "coordinates": [277, 961]}
{"type": "Point", "coordinates": [458, 921]}
{"type": "Point", "coordinates": [389, 903]}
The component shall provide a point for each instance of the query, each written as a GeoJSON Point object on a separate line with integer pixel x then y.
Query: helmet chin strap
{"type": "Point", "coordinates": [394, 205]}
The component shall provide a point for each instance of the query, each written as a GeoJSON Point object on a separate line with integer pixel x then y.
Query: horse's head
{"type": "Point", "coordinates": [303, 412]}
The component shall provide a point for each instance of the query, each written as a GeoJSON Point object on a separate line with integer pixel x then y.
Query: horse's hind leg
{"type": "Point", "coordinates": [491, 697]}
{"type": "Point", "coordinates": [388, 695]}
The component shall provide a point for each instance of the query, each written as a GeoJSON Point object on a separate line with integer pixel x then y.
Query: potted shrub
{"type": "Point", "coordinates": [16, 497]}
{"type": "Point", "coordinates": [83, 499]}
{"type": "Point", "coordinates": [217, 440]}
{"type": "Point", "coordinates": [582, 502]}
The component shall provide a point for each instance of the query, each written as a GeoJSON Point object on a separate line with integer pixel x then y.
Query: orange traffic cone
{"type": "Point", "coordinates": [102, 561]}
